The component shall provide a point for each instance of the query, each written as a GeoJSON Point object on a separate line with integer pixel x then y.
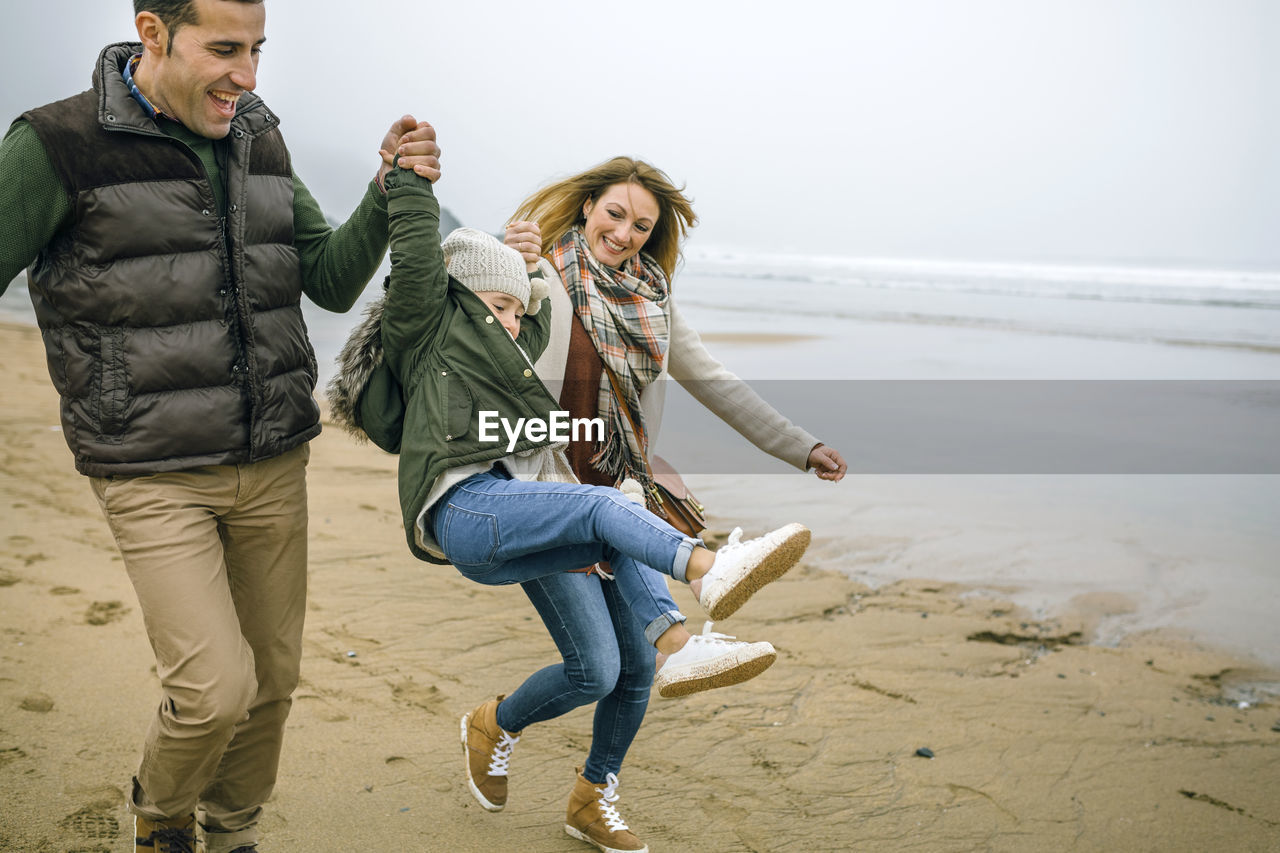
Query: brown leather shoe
{"type": "Point", "coordinates": [486, 747]}
{"type": "Point", "coordinates": [593, 817]}
{"type": "Point", "coordinates": [164, 836]}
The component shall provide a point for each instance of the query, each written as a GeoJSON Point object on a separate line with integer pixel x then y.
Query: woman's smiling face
{"type": "Point", "coordinates": [619, 222]}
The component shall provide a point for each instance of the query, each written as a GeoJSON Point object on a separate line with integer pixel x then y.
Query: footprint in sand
{"type": "Point", "coordinates": [41, 703]}
{"type": "Point", "coordinates": [91, 822]}
{"type": "Point", "coordinates": [424, 696]}
{"type": "Point", "coordinates": [7, 578]}
{"type": "Point", "coordinates": [323, 709]}
{"type": "Point", "coordinates": [11, 754]}
{"type": "Point", "coordinates": [105, 612]}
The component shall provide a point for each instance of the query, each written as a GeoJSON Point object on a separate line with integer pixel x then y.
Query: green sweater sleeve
{"type": "Point", "coordinates": [33, 204]}
{"type": "Point", "coordinates": [337, 263]}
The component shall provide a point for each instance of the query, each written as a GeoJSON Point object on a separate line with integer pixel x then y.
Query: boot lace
{"type": "Point", "coordinates": [609, 796]}
{"type": "Point", "coordinates": [733, 543]}
{"type": "Point", "coordinates": [172, 839]}
{"type": "Point", "coordinates": [711, 638]}
{"type": "Point", "coordinates": [734, 540]}
{"type": "Point", "coordinates": [501, 758]}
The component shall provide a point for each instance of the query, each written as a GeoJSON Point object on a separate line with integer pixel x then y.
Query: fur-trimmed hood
{"type": "Point", "coordinates": [360, 356]}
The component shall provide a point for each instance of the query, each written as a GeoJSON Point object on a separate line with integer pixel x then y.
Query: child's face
{"type": "Point", "coordinates": [505, 307]}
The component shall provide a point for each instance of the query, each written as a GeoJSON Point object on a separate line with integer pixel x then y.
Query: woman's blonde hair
{"type": "Point", "coordinates": [558, 207]}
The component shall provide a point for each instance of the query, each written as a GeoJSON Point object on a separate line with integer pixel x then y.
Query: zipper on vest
{"type": "Point", "coordinates": [225, 239]}
{"type": "Point", "coordinates": [243, 372]}
{"type": "Point", "coordinates": [239, 370]}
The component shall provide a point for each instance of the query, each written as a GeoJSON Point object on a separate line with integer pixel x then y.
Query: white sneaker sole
{"type": "Point", "coordinates": [771, 566]}
{"type": "Point", "coordinates": [466, 763]}
{"type": "Point", "coordinates": [582, 836]}
{"type": "Point", "coordinates": [724, 671]}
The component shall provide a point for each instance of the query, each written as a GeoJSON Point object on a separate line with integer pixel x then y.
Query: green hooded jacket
{"type": "Point", "coordinates": [450, 356]}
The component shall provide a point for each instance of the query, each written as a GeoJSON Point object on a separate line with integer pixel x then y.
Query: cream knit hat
{"type": "Point", "coordinates": [482, 262]}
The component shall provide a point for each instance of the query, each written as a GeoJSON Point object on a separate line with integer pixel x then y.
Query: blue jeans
{"type": "Point", "coordinates": [607, 660]}
{"type": "Point", "coordinates": [498, 530]}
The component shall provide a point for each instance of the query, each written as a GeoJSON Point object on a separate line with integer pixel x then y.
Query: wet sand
{"type": "Point", "coordinates": [1041, 741]}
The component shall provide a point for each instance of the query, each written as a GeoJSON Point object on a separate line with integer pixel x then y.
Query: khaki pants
{"type": "Point", "coordinates": [218, 559]}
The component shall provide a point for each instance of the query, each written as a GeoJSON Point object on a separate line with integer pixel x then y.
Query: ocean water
{"type": "Point", "coordinates": [1193, 551]}
{"type": "Point", "coordinates": [937, 320]}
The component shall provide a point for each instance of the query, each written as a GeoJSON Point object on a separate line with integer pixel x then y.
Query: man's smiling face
{"type": "Point", "coordinates": [211, 63]}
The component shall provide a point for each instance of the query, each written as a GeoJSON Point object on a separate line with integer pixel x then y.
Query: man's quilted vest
{"type": "Point", "coordinates": [173, 334]}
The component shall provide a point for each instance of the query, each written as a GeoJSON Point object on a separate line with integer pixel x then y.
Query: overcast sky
{"type": "Point", "coordinates": [1097, 131]}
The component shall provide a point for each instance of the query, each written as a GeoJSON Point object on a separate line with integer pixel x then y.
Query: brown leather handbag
{"type": "Point", "coordinates": [668, 497]}
{"type": "Point", "coordinates": [674, 502]}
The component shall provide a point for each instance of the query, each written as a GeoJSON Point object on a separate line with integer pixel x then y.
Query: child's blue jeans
{"type": "Point", "coordinates": [498, 530]}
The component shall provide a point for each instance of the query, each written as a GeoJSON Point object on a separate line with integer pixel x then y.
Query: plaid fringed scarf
{"type": "Point", "coordinates": [624, 311]}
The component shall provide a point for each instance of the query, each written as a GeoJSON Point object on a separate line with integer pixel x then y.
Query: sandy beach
{"type": "Point", "coordinates": [1040, 740]}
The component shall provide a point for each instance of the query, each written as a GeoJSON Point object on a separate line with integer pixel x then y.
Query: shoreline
{"type": "Point", "coordinates": [1122, 555]}
{"type": "Point", "coordinates": [1040, 740]}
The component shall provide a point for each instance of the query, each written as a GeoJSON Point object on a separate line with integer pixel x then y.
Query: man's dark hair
{"type": "Point", "coordinates": [173, 13]}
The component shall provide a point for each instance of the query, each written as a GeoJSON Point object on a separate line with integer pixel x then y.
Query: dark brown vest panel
{"type": "Point", "coordinates": [174, 334]}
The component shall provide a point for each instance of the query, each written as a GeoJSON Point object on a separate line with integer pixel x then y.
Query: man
{"type": "Point", "coordinates": [169, 243]}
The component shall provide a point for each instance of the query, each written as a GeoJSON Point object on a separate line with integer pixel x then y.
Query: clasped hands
{"type": "Point", "coordinates": [415, 142]}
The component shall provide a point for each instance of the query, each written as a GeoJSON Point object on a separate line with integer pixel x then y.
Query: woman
{"type": "Point", "coordinates": [612, 306]}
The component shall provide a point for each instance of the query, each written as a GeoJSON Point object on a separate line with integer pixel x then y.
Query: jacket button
{"type": "Point", "coordinates": [234, 208]}
{"type": "Point", "coordinates": [239, 133]}
{"type": "Point", "coordinates": [448, 438]}
{"type": "Point", "coordinates": [444, 373]}
{"type": "Point", "coordinates": [204, 212]}
{"type": "Point", "coordinates": [527, 373]}
{"type": "Point", "coordinates": [489, 319]}
{"type": "Point", "coordinates": [222, 291]}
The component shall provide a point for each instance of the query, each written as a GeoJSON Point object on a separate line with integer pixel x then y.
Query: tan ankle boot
{"type": "Point", "coordinates": [486, 748]}
{"type": "Point", "coordinates": [164, 836]}
{"type": "Point", "coordinates": [593, 818]}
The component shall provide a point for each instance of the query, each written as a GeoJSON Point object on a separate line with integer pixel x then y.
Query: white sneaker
{"type": "Point", "coordinates": [711, 660]}
{"type": "Point", "coordinates": [741, 568]}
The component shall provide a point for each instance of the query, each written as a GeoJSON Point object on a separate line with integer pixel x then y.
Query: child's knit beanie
{"type": "Point", "coordinates": [481, 262]}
